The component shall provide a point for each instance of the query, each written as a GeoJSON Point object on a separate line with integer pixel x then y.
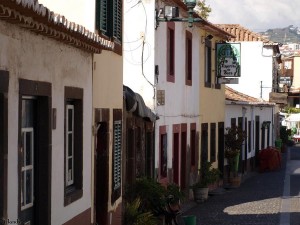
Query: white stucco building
{"type": "Point", "coordinates": [257, 118]}
{"type": "Point", "coordinates": [165, 63]}
{"type": "Point", "coordinates": [258, 62]}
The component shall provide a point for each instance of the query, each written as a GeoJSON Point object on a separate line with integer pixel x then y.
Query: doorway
{"type": "Point", "coordinates": [221, 146]}
{"type": "Point", "coordinates": [34, 160]}
{"type": "Point", "coordinates": [101, 176]}
{"type": "Point", "coordinates": [176, 158]}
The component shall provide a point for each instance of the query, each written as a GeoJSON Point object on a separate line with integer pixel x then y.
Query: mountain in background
{"type": "Point", "coordinates": [286, 35]}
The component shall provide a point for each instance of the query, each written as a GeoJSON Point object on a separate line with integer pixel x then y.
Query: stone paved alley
{"type": "Point", "coordinates": [270, 198]}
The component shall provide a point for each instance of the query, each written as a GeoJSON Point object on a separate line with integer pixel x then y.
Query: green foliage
{"type": "Point", "coordinates": [204, 10]}
{"type": "Point", "coordinates": [291, 110]}
{"type": "Point", "coordinates": [151, 193]}
{"type": "Point", "coordinates": [174, 190]}
{"type": "Point", "coordinates": [135, 216]}
{"type": "Point", "coordinates": [234, 138]}
{"type": "Point", "coordinates": [153, 196]}
{"type": "Point", "coordinates": [208, 175]}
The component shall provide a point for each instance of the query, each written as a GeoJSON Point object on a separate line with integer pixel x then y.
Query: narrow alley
{"type": "Point", "coordinates": [270, 198]}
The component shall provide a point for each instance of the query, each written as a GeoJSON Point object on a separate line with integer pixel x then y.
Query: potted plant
{"type": "Point", "coordinates": [163, 203]}
{"type": "Point", "coordinates": [133, 214]}
{"type": "Point", "coordinates": [234, 139]}
{"type": "Point", "coordinates": [207, 176]}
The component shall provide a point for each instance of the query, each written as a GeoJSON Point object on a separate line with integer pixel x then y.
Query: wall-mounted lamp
{"type": "Point", "coordinates": [208, 37]}
{"type": "Point", "coordinates": [171, 13]}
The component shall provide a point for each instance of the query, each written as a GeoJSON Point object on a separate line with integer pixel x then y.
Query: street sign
{"type": "Point", "coordinates": [228, 59]}
{"type": "Point", "coordinates": [227, 80]}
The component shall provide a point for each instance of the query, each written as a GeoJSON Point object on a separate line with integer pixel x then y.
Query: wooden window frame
{"type": "Point", "coordinates": [69, 131]}
{"type": "Point", "coordinates": [4, 82]}
{"type": "Point", "coordinates": [117, 155]}
{"type": "Point", "coordinates": [213, 139]}
{"type": "Point", "coordinates": [207, 66]}
{"type": "Point", "coordinates": [74, 191]}
{"type": "Point", "coordinates": [188, 58]}
{"type": "Point", "coordinates": [193, 145]}
{"type": "Point", "coordinates": [162, 131]}
{"type": "Point", "coordinates": [43, 92]}
{"type": "Point", "coordinates": [171, 52]}
{"type": "Point", "coordinates": [250, 136]}
{"type": "Point", "coordinates": [28, 167]}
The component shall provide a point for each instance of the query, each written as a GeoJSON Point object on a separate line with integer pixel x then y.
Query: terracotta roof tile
{"type": "Point", "coordinates": [235, 96]}
{"type": "Point", "coordinates": [31, 15]}
{"type": "Point", "coordinates": [242, 34]}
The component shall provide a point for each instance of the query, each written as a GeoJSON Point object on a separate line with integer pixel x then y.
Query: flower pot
{"type": "Point", "coordinates": [189, 220]}
{"type": "Point", "coordinates": [234, 163]}
{"type": "Point", "coordinates": [235, 181]}
{"type": "Point", "coordinates": [200, 194]}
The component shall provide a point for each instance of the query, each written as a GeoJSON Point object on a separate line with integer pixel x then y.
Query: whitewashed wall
{"type": "Point", "coordinates": [181, 100]}
{"type": "Point", "coordinates": [265, 113]}
{"type": "Point", "coordinates": [33, 57]}
{"type": "Point", "coordinates": [256, 66]}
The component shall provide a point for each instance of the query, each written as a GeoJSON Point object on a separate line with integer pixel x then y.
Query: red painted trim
{"type": "Point", "coordinates": [170, 52]}
{"type": "Point", "coordinates": [188, 58]}
{"type": "Point", "coordinates": [193, 146]}
{"type": "Point", "coordinates": [163, 179]}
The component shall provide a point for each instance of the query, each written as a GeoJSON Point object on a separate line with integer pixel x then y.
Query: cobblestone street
{"type": "Point", "coordinates": [270, 198]}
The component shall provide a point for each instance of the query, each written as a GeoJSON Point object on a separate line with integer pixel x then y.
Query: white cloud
{"type": "Point", "coordinates": [256, 15]}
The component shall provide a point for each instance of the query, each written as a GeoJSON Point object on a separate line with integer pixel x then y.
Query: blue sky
{"type": "Point", "coordinates": [256, 15]}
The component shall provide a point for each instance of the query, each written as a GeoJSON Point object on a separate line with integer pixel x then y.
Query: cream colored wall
{"type": "Point", "coordinates": [212, 101]}
{"type": "Point", "coordinates": [108, 93]}
{"type": "Point", "coordinates": [296, 79]}
{"type": "Point", "coordinates": [108, 80]}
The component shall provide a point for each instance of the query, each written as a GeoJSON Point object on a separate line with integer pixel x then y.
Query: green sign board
{"type": "Point", "coordinates": [228, 59]}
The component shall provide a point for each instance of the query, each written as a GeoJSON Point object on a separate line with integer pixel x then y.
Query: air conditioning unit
{"type": "Point", "coordinates": [171, 12]}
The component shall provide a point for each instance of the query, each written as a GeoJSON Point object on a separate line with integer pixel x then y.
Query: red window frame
{"type": "Point", "coordinates": [171, 52]}
{"type": "Point", "coordinates": [188, 58]}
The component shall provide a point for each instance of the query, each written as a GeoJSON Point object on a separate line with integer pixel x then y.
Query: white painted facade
{"type": "Point", "coordinates": [249, 112]}
{"type": "Point", "coordinates": [34, 57]}
{"type": "Point", "coordinates": [256, 67]}
{"type": "Point", "coordinates": [181, 100]}
{"type": "Point", "coordinates": [145, 48]}
{"type": "Point", "coordinates": [107, 80]}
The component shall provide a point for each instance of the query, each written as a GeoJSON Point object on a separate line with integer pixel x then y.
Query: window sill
{"type": "Point", "coordinates": [188, 82]}
{"type": "Point", "coordinates": [72, 195]}
{"type": "Point", "coordinates": [171, 78]}
{"type": "Point", "coordinates": [208, 85]}
{"type": "Point", "coordinates": [217, 86]}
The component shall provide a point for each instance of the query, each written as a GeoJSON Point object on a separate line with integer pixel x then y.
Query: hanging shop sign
{"type": "Point", "coordinates": [228, 59]}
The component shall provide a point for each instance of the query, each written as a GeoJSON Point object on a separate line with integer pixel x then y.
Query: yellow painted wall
{"type": "Point", "coordinates": [108, 80]}
{"type": "Point", "coordinates": [108, 93]}
{"type": "Point", "coordinates": [212, 101]}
